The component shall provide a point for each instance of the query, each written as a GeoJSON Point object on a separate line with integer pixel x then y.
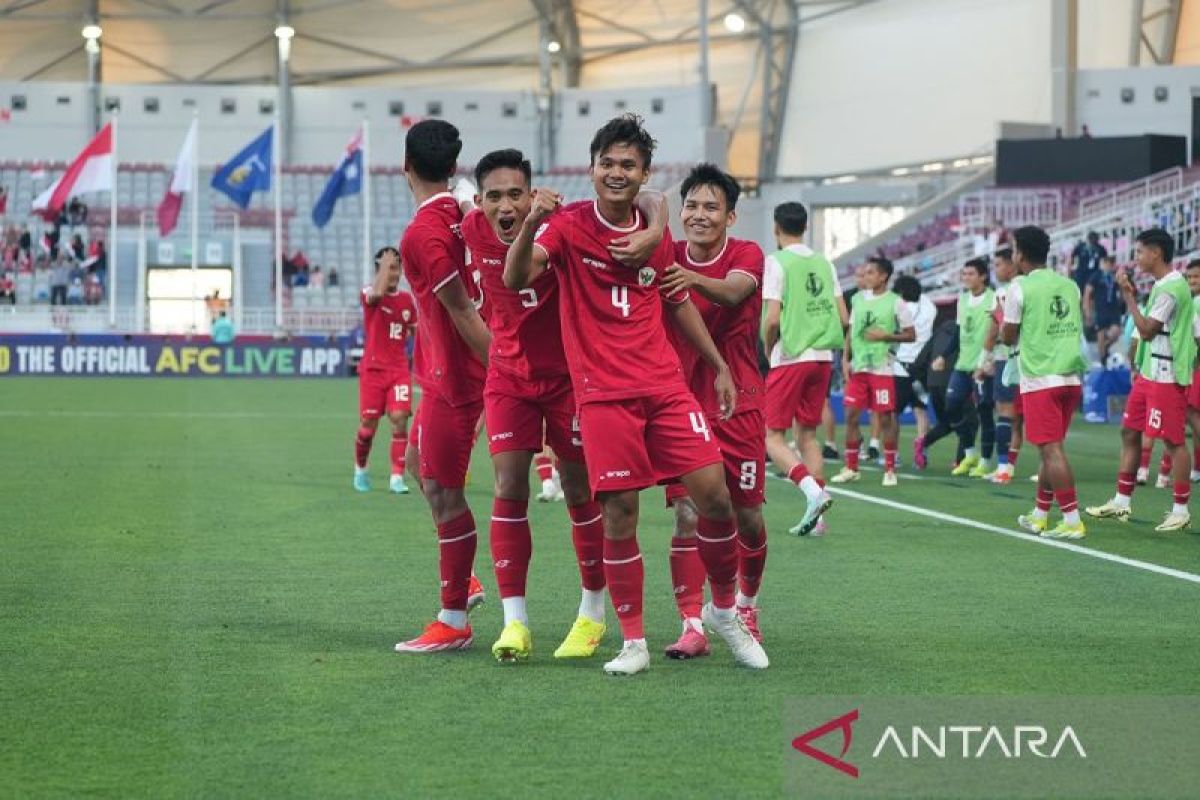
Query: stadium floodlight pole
{"type": "Point", "coordinates": [139, 301]}
{"type": "Point", "coordinates": [195, 201]}
{"type": "Point", "coordinates": [111, 249]}
{"type": "Point", "coordinates": [366, 200]}
{"type": "Point", "coordinates": [277, 191]}
{"type": "Point", "coordinates": [705, 94]}
{"type": "Point", "coordinates": [238, 301]}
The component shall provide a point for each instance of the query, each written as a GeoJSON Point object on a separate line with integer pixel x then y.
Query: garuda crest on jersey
{"type": "Point", "coordinates": [646, 276]}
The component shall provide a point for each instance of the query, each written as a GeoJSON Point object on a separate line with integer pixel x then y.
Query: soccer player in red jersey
{"type": "Point", "coordinates": [639, 422]}
{"type": "Point", "coordinates": [723, 276]}
{"type": "Point", "coordinates": [528, 399]}
{"type": "Point", "coordinates": [384, 385]}
{"type": "Point", "coordinates": [451, 351]}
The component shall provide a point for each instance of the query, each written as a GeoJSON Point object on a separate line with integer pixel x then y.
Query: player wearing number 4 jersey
{"type": "Point", "coordinates": [723, 276]}
{"type": "Point", "coordinates": [1158, 403]}
{"type": "Point", "coordinates": [878, 318]}
{"type": "Point", "coordinates": [639, 422]}
{"type": "Point", "coordinates": [451, 350]}
{"type": "Point", "coordinates": [384, 385]}
{"type": "Point", "coordinates": [529, 390]}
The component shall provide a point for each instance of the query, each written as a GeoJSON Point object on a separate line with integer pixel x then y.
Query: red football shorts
{"type": "Point", "coordinates": [1134, 417]}
{"type": "Point", "coordinates": [383, 391]}
{"type": "Point", "coordinates": [445, 436]}
{"type": "Point", "coordinates": [870, 392]}
{"type": "Point", "coordinates": [1166, 411]}
{"type": "Point", "coordinates": [742, 440]}
{"type": "Point", "coordinates": [641, 441]}
{"type": "Point", "coordinates": [1193, 398]}
{"type": "Point", "coordinates": [517, 412]}
{"type": "Point", "coordinates": [1048, 413]}
{"type": "Point", "coordinates": [797, 392]}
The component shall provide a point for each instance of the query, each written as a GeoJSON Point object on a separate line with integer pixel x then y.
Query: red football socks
{"type": "Point", "coordinates": [456, 556]}
{"type": "Point", "coordinates": [587, 533]}
{"type": "Point", "coordinates": [625, 575]}
{"type": "Point", "coordinates": [687, 576]}
{"type": "Point", "coordinates": [512, 545]}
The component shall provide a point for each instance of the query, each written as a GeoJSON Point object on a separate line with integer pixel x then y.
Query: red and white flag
{"type": "Point", "coordinates": [181, 184]}
{"type": "Point", "coordinates": [91, 171]}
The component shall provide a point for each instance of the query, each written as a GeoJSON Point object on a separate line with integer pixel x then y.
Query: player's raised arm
{"type": "Point", "coordinates": [687, 319]}
{"type": "Point", "coordinates": [1147, 326]}
{"type": "Point", "coordinates": [386, 262]}
{"type": "Point", "coordinates": [636, 248]}
{"type": "Point", "coordinates": [524, 263]}
{"type": "Point", "coordinates": [471, 327]}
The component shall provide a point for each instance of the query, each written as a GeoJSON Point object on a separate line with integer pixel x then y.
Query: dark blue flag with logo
{"type": "Point", "coordinates": [247, 172]}
{"type": "Point", "coordinates": [345, 180]}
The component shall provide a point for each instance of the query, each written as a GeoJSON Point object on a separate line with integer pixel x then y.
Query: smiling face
{"type": "Point", "coordinates": [1193, 278]}
{"type": "Point", "coordinates": [706, 216]}
{"type": "Point", "coordinates": [618, 173]}
{"type": "Point", "coordinates": [505, 200]}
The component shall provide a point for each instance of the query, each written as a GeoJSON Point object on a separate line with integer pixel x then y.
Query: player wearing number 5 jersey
{"type": "Point", "coordinates": [384, 385]}
{"type": "Point", "coordinates": [451, 349]}
{"type": "Point", "coordinates": [723, 277]}
{"type": "Point", "coordinates": [529, 390]}
{"type": "Point", "coordinates": [878, 318]}
{"type": "Point", "coordinates": [639, 422]}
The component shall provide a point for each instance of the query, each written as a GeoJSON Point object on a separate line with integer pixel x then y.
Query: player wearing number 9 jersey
{"type": "Point", "coordinates": [639, 422]}
{"type": "Point", "coordinates": [723, 276]}
{"type": "Point", "coordinates": [528, 392]}
{"type": "Point", "coordinates": [384, 385]}
{"type": "Point", "coordinates": [452, 346]}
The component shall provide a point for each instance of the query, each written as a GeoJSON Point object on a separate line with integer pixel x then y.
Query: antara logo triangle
{"type": "Point", "coordinates": [844, 723]}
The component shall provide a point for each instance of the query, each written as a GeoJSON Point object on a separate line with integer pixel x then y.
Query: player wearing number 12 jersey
{"type": "Point", "coordinates": [639, 422]}
{"type": "Point", "coordinates": [451, 349]}
{"type": "Point", "coordinates": [528, 391]}
{"type": "Point", "coordinates": [384, 384]}
{"type": "Point", "coordinates": [723, 276]}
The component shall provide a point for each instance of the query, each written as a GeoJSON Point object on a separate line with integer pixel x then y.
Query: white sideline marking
{"type": "Point", "coordinates": [173, 414]}
{"type": "Point", "coordinates": [1024, 537]}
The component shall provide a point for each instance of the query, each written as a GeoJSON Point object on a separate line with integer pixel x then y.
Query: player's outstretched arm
{"type": "Point", "coordinates": [687, 319]}
{"type": "Point", "coordinates": [524, 263]}
{"type": "Point", "coordinates": [728, 291]}
{"type": "Point", "coordinates": [471, 327]}
{"type": "Point", "coordinates": [770, 333]}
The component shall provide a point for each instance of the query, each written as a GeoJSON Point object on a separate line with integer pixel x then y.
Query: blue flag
{"type": "Point", "coordinates": [345, 180]}
{"type": "Point", "coordinates": [247, 172]}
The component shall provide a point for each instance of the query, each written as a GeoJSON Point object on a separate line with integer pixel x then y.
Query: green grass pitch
{"type": "Point", "coordinates": [193, 602]}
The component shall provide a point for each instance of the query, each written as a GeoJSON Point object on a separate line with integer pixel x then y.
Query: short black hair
{"type": "Point", "coordinates": [508, 158]}
{"type": "Point", "coordinates": [380, 253]}
{"type": "Point", "coordinates": [792, 218]}
{"type": "Point", "coordinates": [705, 174]}
{"type": "Point", "coordinates": [625, 129]}
{"type": "Point", "coordinates": [883, 264]}
{"type": "Point", "coordinates": [1157, 237]}
{"type": "Point", "coordinates": [980, 265]}
{"type": "Point", "coordinates": [1005, 253]}
{"type": "Point", "coordinates": [908, 287]}
{"type": "Point", "coordinates": [1195, 262]}
{"type": "Point", "coordinates": [1033, 242]}
{"type": "Point", "coordinates": [431, 148]}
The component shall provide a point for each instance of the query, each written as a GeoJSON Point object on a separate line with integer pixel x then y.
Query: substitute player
{"type": "Point", "coordinates": [528, 399]}
{"type": "Point", "coordinates": [878, 318]}
{"type": "Point", "coordinates": [640, 424]}
{"type": "Point", "coordinates": [451, 351]}
{"type": "Point", "coordinates": [722, 275]}
{"type": "Point", "coordinates": [805, 322]}
{"type": "Point", "coordinates": [1042, 312]}
{"type": "Point", "coordinates": [1009, 421]}
{"type": "Point", "coordinates": [1157, 405]}
{"type": "Point", "coordinates": [384, 384]}
{"type": "Point", "coordinates": [1192, 272]}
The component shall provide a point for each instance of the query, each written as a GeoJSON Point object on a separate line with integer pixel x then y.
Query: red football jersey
{"type": "Point", "coordinates": [386, 326]}
{"type": "Point", "coordinates": [612, 315]}
{"type": "Point", "coordinates": [734, 330]}
{"type": "Point", "coordinates": [433, 254]}
{"type": "Point", "coordinates": [526, 338]}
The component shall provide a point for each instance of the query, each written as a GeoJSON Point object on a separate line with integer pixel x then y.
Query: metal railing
{"type": "Point", "coordinates": [65, 319]}
{"type": "Point", "coordinates": [1012, 208]}
{"type": "Point", "coordinates": [1130, 196]}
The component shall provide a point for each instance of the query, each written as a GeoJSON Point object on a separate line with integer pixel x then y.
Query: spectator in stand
{"type": "Point", "coordinates": [3, 200]}
{"type": "Point", "coordinates": [1084, 133]}
{"type": "Point", "coordinates": [77, 212]}
{"type": "Point", "coordinates": [315, 279]}
{"type": "Point", "coordinates": [333, 277]}
{"type": "Point", "coordinates": [75, 292]}
{"type": "Point", "coordinates": [301, 277]}
{"type": "Point", "coordinates": [8, 288]}
{"type": "Point", "coordinates": [222, 330]}
{"type": "Point", "coordinates": [93, 291]}
{"type": "Point", "coordinates": [60, 276]}
{"type": "Point", "coordinates": [1085, 259]}
{"type": "Point", "coordinates": [1103, 307]}
{"type": "Point", "coordinates": [98, 260]}
{"type": "Point", "coordinates": [25, 242]}
{"type": "Point", "coordinates": [77, 247]}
